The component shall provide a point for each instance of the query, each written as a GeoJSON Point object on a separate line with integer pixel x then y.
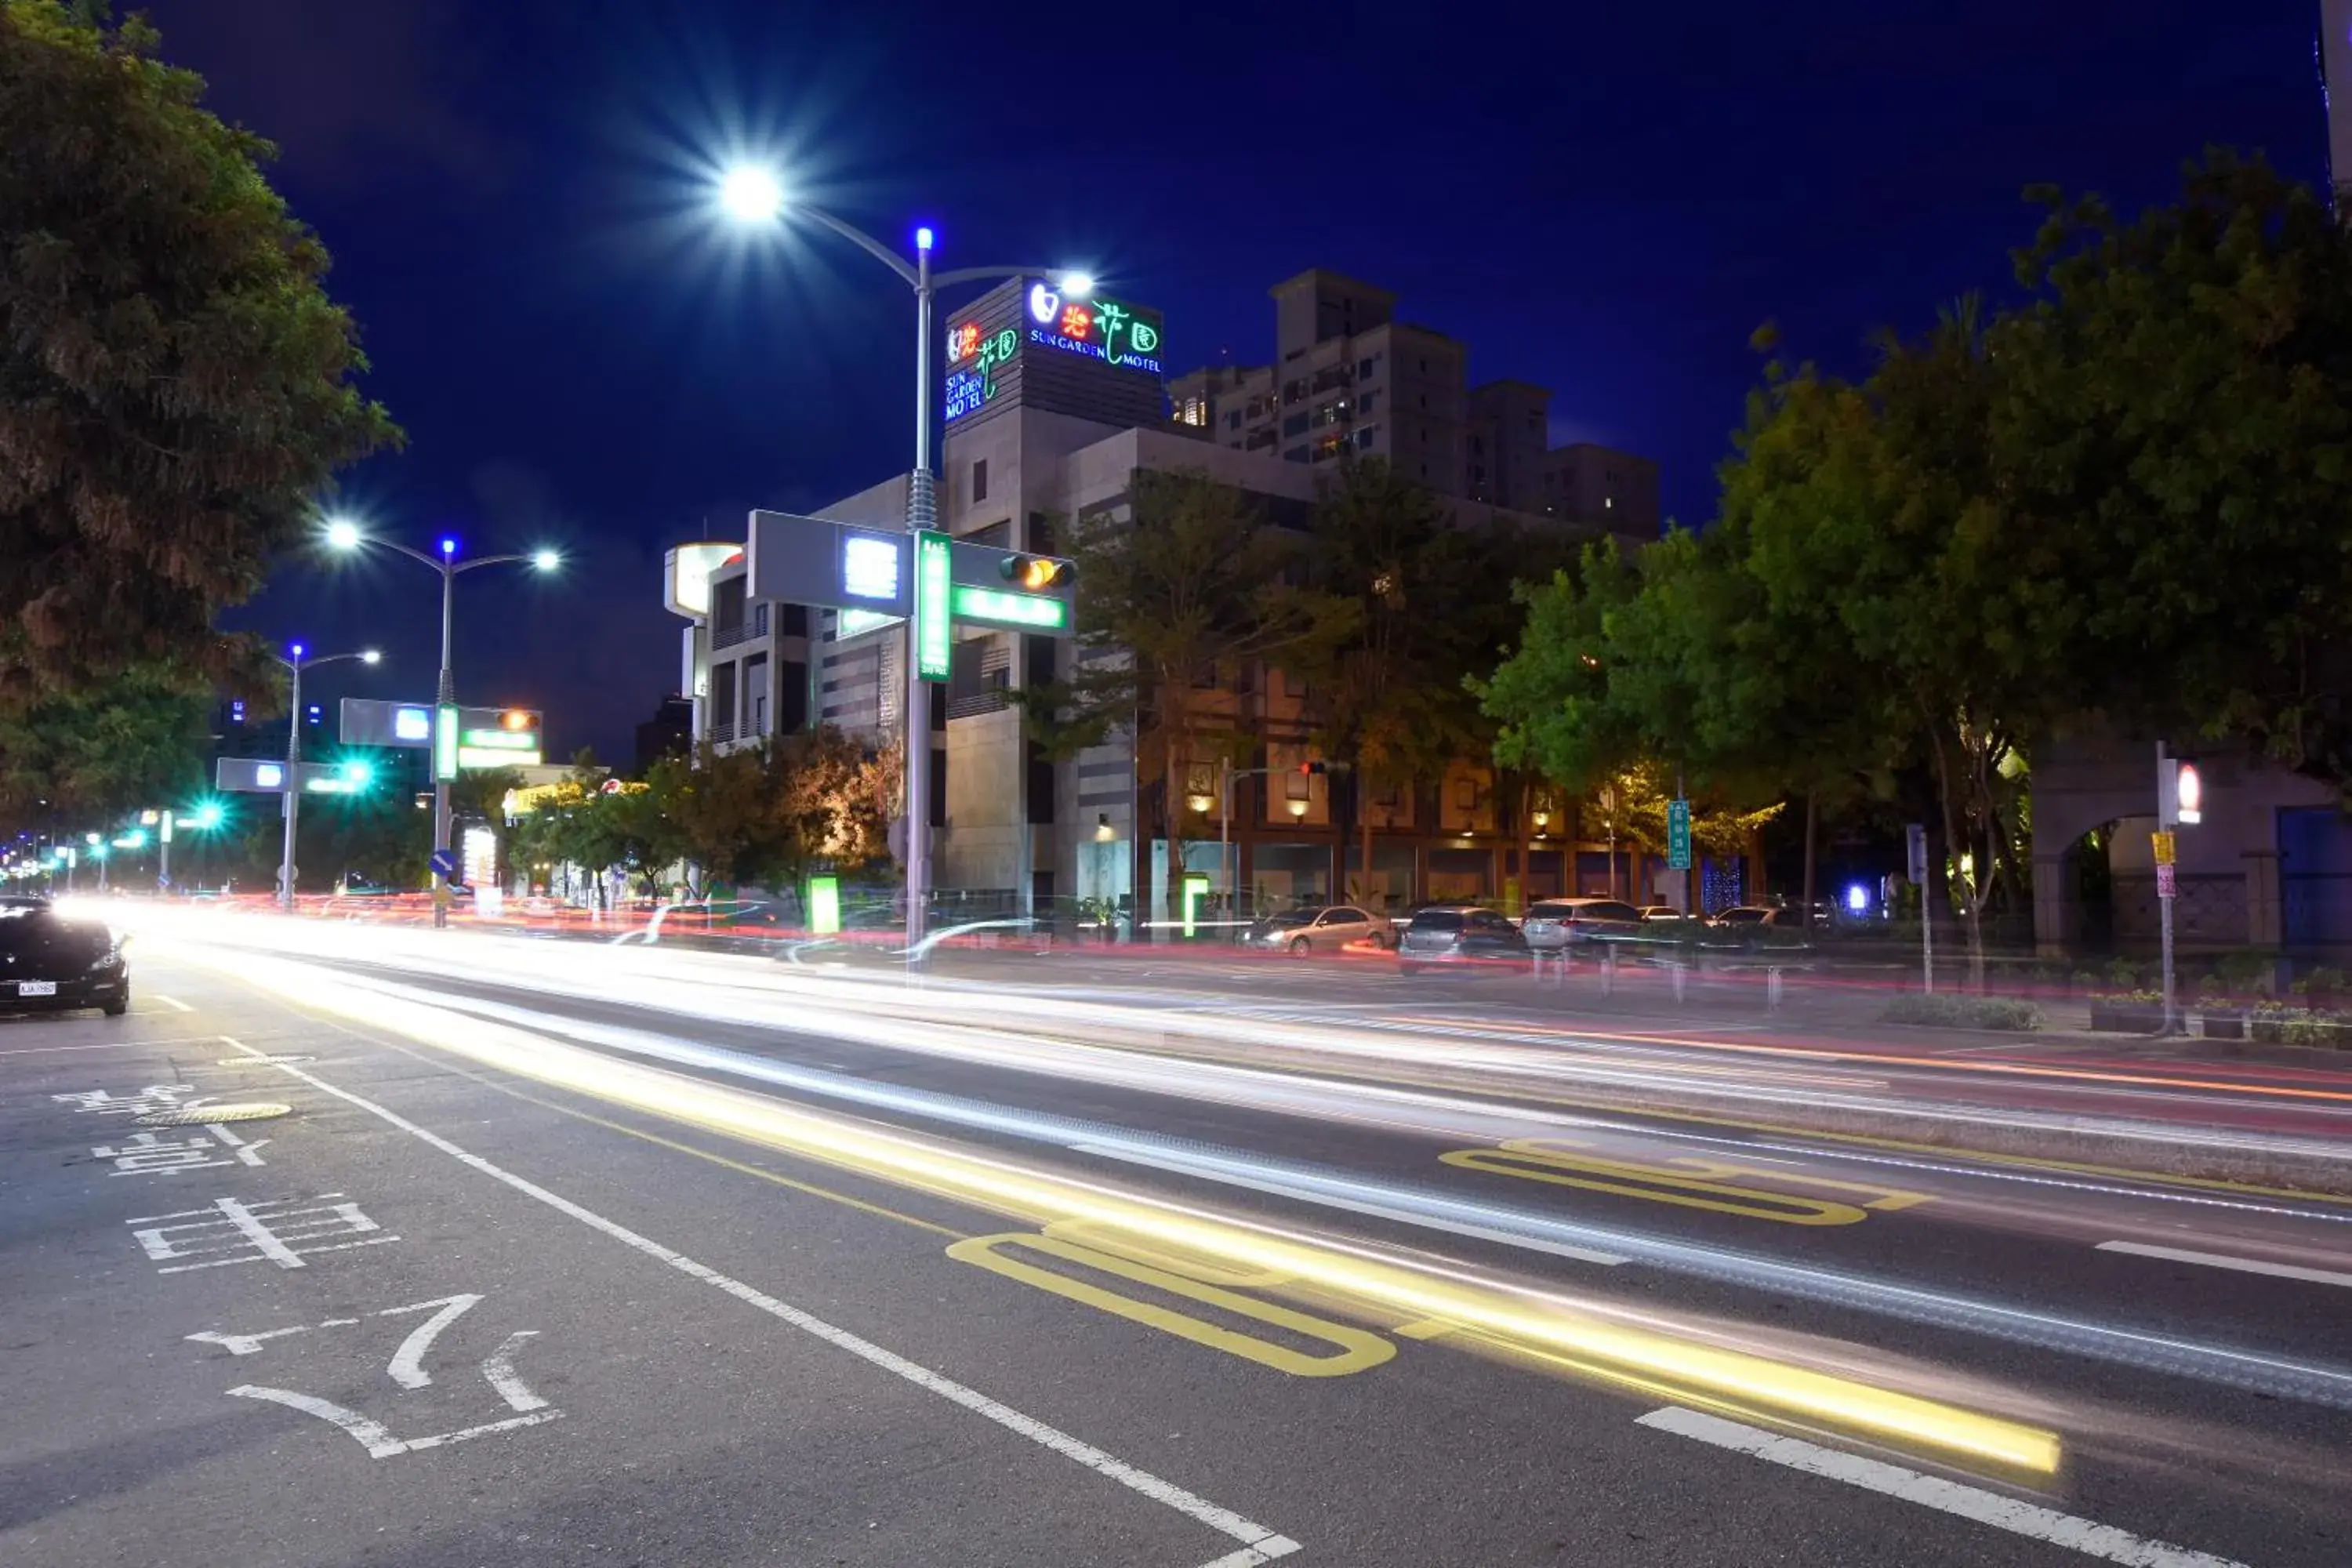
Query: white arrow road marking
{"type": "Point", "coordinates": [2017, 1517]}
{"type": "Point", "coordinates": [247, 1344]}
{"type": "Point", "coordinates": [500, 1370]}
{"type": "Point", "coordinates": [372, 1436]}
{"type": "Point", "coordinates": [407, 1362]}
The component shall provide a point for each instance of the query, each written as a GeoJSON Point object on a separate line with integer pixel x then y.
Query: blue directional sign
{"type": "Point", "coordinates": [445, 862]}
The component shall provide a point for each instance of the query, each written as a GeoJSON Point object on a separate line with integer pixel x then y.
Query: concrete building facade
{"type": "Point", "coordinates": [1349, 377]}
{"type": "Point", "coordinates": [1050, 416]}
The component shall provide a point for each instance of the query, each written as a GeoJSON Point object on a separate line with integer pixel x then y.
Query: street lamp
{"type": "Point", "coordinates": [754, 195]}
{"type": "Point", "coordinates": [342, 533]}
{"type": "Point", "coordinates": [296, 659]}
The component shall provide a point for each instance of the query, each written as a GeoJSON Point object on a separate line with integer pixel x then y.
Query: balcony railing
{"type": "Point", "coordinates": [754, 625]}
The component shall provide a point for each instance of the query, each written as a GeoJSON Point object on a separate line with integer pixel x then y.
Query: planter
{"type": "Point", "coordinates": [2222, 1024]}
{"type": "Point", "coordinates": [2127, 1017]}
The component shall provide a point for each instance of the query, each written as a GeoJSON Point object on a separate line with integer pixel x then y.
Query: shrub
{"type": "Point", "coordinates": [1964, 1012]}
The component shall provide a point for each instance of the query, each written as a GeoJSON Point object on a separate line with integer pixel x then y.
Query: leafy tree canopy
{"type": "Point", "coordinates": [175, 386]}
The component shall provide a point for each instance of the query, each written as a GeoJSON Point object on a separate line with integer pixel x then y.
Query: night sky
{"type": "Point", "coordinates": [1606, 200]}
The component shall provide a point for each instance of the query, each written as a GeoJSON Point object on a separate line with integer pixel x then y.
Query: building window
{"type": "Point", "coordinates": [1296, 424]}
{"type": "Point", "coordinates": [1234, 420]}
{"type": "Point", "coordinates": [1388, 796]}
{"type": "Point", "coordinates": [1364, 367]}
{"type": "Point", "coordinates": [1466, 794]}
{"type": "Point", "coordinates": [1292, 390]}
{"type": "Point", "coordinates": [1260, 440]}
{"type": "Point", "coordinates": [1366, 403]}
{"type": "Point", "coordinates": [1296, 455]}
{"type": "Point", "coordinates": [1365, 436]}
{"type": "Point", "coordinates": [980, 480]}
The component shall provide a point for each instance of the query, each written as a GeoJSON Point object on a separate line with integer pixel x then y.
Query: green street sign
{"type": "Point", "coordinates": [999, 606]}
{"type": "Point", "coordinates": [934, 630]}
{"type": "Point", "coordinates": [1678, 842]}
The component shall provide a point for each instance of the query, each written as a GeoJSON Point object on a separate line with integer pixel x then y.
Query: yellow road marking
{"type": "Point", "coordinates": [1687, 1189]}
{"type": "Point", "coordinates": [1359, 1350]}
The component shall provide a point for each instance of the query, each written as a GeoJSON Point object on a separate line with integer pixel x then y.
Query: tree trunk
{"type": "Point", "coordinates": [1812, 818]}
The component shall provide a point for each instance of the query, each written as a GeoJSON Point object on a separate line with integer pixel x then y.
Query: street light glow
{"type": "Point", "coordinates": [372, 655]}
{"type": "Point", "coordinates": [923, 238]}
{"type": "Point", "coordinates": [546, 559]}
{"type": "Point", "coordinates": [343, 534]}
{"type": "Point", "coordinates": [1078, 285]}
{"type": "Point", "coordinates": [751, 194]}
{"type": "Point", "coordinates": [448, 545]}
{"type": "Point", "coordinates": [296, 649]}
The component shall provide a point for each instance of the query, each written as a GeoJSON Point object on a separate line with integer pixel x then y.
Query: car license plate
{"type": "Point", "coordinates": [36, 989]}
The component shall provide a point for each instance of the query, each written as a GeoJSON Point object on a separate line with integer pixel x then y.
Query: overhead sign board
{"type": "Point", "coordinates": [796, 560]}
{"type": "Point", "coordinates": [1099, 327]}
{"type": "Point", "coordinates": [1678, 835]}
{"type": "Point", "coordinates": [260, 775]}
{"type": "Point", "coordinates": [457, 737]}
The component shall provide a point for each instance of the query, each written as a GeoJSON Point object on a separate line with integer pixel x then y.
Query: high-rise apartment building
{"type": "Point", "coordinates": [1349, 377]}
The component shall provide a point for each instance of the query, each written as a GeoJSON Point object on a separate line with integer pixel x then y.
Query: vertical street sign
{"type": "Point", "coordinates": [1678, 835]}
{"type": "Point", "coordinates": [444, 741]}
{"type": "Point", "coordinates": [934, 645]}
{"type": "Point", "coordinates": [824, 906]}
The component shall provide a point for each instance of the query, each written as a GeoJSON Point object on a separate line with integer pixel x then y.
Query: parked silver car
{"type": "Point", "coordinates": [1464, 935]}
{"type": "Point", "coordinates": [1324, 930]}
{"type": "Point", "coordinates": [1556, 924]}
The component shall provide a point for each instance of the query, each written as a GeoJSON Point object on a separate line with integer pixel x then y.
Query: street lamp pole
{"type": "Point", "coordinates": [292, 793]}
{"type": "Point", "coordinates": [755, 196]}
{"type": "Point", "coordinates": [345, 535]}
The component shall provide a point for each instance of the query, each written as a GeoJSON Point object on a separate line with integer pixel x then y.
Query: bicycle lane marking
{"type": "Point", "coordinates": [1259, 1544]}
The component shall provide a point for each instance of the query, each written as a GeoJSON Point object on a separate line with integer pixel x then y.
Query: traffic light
{"type": "Point", "coordinates": [1313, 770]}
{"type": "Point", "coordinates": [514, 719]}
{"type": "Point", "coordinates": [1036, 574]}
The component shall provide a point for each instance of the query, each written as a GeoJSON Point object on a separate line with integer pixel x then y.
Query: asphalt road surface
{"type": "Point", "coordinates": [573, 1254]}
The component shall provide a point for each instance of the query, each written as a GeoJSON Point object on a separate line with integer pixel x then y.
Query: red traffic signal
{"type": "Point", "coordinates": [1312, 770]}
{"type": "Point", "coordinates": [1036, 574]}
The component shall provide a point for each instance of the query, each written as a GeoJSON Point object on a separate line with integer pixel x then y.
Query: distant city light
{"type": "Point", "coordinates": [1857, 897]}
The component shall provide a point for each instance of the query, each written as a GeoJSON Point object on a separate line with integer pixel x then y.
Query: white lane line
{"type": "Point", "coordinates": [171, 1001]}
{"type": "Point", "coordinates": [110, 1046]}
{"type": "Point", "coordinates": [500, 1372]}
{"type": "Point", "coordinates": [2222, 1260]}
{"type": "Point", "coordinates": [1178, 1165]}
{"type": "Point", "coordinates": [1261, 1544]}
{"type": "Point", "coordinates": [1933, 1491]}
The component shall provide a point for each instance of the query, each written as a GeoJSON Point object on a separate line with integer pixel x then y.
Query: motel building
{"type": "Point", "coordinates": [1052, 407]}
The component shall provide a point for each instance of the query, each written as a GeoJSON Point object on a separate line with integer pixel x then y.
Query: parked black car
{"type": "Point", "coordinates": [51, 963]}
{"type": "Point", "coordinates": [1462, 934]}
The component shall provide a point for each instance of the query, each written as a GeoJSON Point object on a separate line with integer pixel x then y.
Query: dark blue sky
{"type": "Point", "coordinates": [1606, 200]}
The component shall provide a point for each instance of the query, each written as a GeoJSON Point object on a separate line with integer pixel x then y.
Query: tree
{"type": "Point", "coordinates": [136, 741]}
{"type": "Point", "coordinates": [175, 387]}
{"type": "Point", "coordinates": [1174, 604]}
{"type": "Point", "coordinates": [1387, 699]}
{"type": "Point", "coordinates": [2181, 429]}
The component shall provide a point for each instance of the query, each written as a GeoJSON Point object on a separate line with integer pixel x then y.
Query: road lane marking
{"type": "Point", "coordinates": [1359, 1350]}
{"type": "Point", "coordinates": [2019, 1518]}
{"type": "Point", "coordinates": [1178, 1165]}
{"type": "Point", "coordinates": [1259, 1544]}
{"type": "Point", "coordinates": [109, 1045]}
{"type": "Point", "coordinates": [171, 1001]}
{"type": "Point", "coordinates": [1684, 1181]}
{"type": "Point", "coordinates": [2223, 1260]}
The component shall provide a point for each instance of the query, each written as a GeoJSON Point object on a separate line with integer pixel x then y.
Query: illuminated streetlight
{"type": "Point", "coordinates": [1078, 285]}
{"type": "Point", "coordinates": [343, 533]}
{"type": "Point", "coordinates": [751, 194]}
{"type": "Point", "coordinates": [754, 195]}
{"type": "Point", "coordinates": [446, 563]}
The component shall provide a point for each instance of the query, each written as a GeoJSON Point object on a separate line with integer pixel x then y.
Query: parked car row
{"type": "Point", "coordinates": [1468, 933]}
